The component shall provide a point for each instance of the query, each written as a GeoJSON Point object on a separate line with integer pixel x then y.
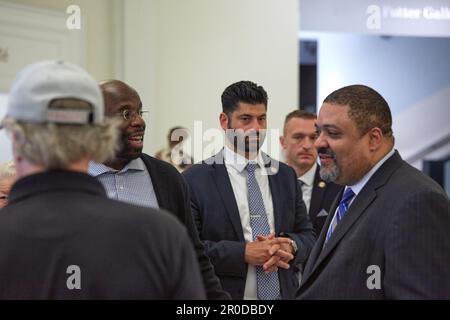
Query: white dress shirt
{"type": "Point", "coordinates": [308, 184]}
{"type": "Point", "coordinates": [235, 165]}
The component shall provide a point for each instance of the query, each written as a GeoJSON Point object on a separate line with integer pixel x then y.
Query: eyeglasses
{"type": "Point", "coordinates": [129, 115]}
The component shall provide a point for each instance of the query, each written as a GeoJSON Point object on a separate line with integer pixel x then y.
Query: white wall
{"type": "Point", "coordinates": [97, 25]}
{"type": "Point", "coordinates": [181, 55]}
{"type": "Point", "coordinates": [29, 34]}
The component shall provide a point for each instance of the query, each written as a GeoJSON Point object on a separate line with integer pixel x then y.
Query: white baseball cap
{"type": "Point", "coordinates": [39, 84]}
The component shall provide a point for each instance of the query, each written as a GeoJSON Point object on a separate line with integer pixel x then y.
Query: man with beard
{"type": "Point", "coordinates": [299, 135]}
{"type": "Point", "coordinates": [134, 177]}
{"type": "Point", "coordinates": [388, 235]}
{"type": "Point", "coordinates": [248, 207]}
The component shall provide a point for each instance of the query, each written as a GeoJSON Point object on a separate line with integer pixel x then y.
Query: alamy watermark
{"type": "Point", "coordinates": [205, 143]}
{"type": "Point", "coordinates": [374, 280]}
{"type": "Point", "coordinates": [73, 21]}
{"type": "Point", "coordinates": [74, 280]}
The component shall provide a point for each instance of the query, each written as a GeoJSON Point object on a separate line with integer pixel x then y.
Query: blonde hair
{"type": "Point", "coordinates": [7, 169]}
{"type": "Point", "coordinates": [56, 146]}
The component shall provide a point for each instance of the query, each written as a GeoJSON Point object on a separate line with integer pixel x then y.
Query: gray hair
{"type": "Point", "coordinates": [7, 169]}
{"type": "Point", "coordinates": [57, 146]}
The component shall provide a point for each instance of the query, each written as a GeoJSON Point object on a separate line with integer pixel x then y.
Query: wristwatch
{"type": "Point", "coordinates": [293, 243]}
{"type": "Point", "coordinates": [294, 247]}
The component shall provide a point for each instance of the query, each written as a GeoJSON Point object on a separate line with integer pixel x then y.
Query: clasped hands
{"type": "Point", "coordinates": [270, 252]}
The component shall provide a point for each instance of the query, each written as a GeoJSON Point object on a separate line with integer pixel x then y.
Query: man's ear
{"type": "Point", "coordinates": [223, 118]}
{"type": "Point", "coordinates": [282, 141]}
{"type": "Point", "coordinates": [375, 138]}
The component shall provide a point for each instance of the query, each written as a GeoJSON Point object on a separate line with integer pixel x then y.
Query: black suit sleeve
{"type": "Point", "coordinates": [211, 282]}
{"type": "Point", "coordinates": [228, 257]}
{"type": "Point", "coordinates": [418, 249]}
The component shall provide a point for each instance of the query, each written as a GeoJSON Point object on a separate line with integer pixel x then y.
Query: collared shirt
{"type": "Point", "coordinates": [132, 184]}
{"type": "Point", "coordinates": [235, 165]}
{"type": "Point", "coordinates": [357, 187]}
{"type": "Point", "coordinates": [308, 184]}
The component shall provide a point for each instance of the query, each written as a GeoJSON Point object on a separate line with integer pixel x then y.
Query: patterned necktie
{"type": "Point", "coordinates": [268, 286]}
{"type": "Point", "coordinates": [342, 209]}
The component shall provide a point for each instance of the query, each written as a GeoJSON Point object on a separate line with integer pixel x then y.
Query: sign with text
{"type": "Point", "coordinates": [429, 18]}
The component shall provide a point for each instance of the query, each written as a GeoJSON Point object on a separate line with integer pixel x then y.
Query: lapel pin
{"type": "Point", "coordinates": [273, 170]}
{"type": "Point", "coordinates": [322, 184]}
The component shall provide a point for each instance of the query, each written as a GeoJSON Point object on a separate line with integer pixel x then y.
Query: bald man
{"type": "Point", "coordinates": [138, 178]}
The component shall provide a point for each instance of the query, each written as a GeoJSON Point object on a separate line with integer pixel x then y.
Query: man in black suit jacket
{"type": "Point", "coordinates": [387, 236]}
{"type": "Point", "coordinates": [221, 206]}
{"type": "Point", "coordinates": [151, 182]}
{"type": "Point", "coordinates": [299, 135]}
{"type": "Point", "coordinates": [60, 236]}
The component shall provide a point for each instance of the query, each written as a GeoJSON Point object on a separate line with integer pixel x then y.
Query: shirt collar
{"type": "Point", "coordinates": [95, 169]}
{"type": "Point", "coordinates": [239, 162]}
{"type": "Point", "coordinates": [357, 187]}
{"type": "Point", "coordinates": [308, 177]}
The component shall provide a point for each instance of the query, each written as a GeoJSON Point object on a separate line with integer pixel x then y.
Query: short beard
{"type": "Point", "coordinates": [332, 172]}
{"type": "Point", "coordinates": [329, 174]}
{"type": "Point", "coordinates": [126, 152]}
{"type": "Point", "coordinates": [241, 142]}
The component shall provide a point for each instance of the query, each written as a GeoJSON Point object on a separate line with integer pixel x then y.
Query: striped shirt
{"type": "Point", "coordinates": [132, 184]}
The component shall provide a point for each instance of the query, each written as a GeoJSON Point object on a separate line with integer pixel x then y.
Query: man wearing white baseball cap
{"type": "Point", "coordinates": [60, 236]}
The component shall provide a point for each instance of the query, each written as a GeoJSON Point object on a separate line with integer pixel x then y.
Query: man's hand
{"type": "Point", "coordinates": [268, 250]}
{"type": "Point", "coordinates": [259, 251]}
{"type": "Point", "coordinates": [282, 257]}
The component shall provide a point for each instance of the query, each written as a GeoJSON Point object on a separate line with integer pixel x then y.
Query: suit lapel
{"type": "Point", "coordinates": [361, 202]}
{"type": "Point", "coordinates": [223, 184]}
{"type": "Point", "coordinates": [159, 180]}
{"type": "Point", "coordinates": [317, 196]}
{"type": "Point", "coordinates": [274, 185]}
{"type": "Point", "coordinates": [317, 249]}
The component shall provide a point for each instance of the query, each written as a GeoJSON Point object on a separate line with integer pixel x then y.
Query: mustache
{"type": "Point", "coordinates": [248, 133]}
{"type": "Point", "coordinates": [326, 152]}
{"type": "Point", "coordinates": [135, 132]}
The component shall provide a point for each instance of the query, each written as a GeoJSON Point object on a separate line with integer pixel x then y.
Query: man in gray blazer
{"type": "Point", "coordinates": [387, 235]}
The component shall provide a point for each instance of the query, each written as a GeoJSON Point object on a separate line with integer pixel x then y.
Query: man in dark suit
{"type": "Point", "coordinates": [60, 236]}
{"type": "Point", "coordinates": [248, 207]}
{"type": "Point", "coordinates": [134, 177]}
{"type": "Point", "coordinates": [299, 135]}
{"type": "Point", "coordinates": [387, 235]}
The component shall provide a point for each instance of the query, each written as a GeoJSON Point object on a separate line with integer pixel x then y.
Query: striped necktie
{"type": "Point", "coordinates": [342, 209]}
{"type": "Point", "coordinates": [268, 286]}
